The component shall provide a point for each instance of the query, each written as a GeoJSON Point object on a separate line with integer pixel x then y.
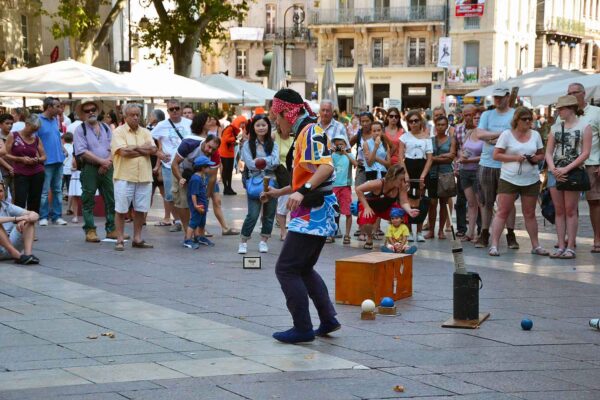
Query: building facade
{"type": "Point", "coordinates": [247, 53]}
{"type": "Point", "coordinates": [395, 41]}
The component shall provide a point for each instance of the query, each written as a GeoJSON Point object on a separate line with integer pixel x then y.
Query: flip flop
{"type": "Point", "coordinates": [163, 223]}
{"type": "Point", "coordinates": [346, 240]}
{"type": "Point", "coordinates": [368, 246]}
{"type": "Point", "coordinates": [119, 246]}
{"type": "Point", "coordinates": [595, 249]}
{"type": "Point", "coordinates": [142, 245]}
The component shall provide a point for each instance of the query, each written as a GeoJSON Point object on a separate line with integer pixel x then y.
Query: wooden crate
{"type": "Point", "coordinates": [373, 276]}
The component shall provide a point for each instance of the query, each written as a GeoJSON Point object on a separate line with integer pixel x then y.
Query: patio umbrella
{"type": "Point", "coordinates": [328, 90]}
{"type": "Point", "coordinates": [551, 91]}
{"type": "Point", "coordinates": [250, 92]}
{"type": "Point", "coordinates": [359, 102]}
{"type": "Point", "coordinates": [65, 78]}
{"type": "Point", "coordinates": [530, 82]}
{"type": "Point", "coordinates": [14, 102]}
{"type": "Point", "coordinates": [166, 84]}
{"type": "Point", "coordinates": [277, 75]}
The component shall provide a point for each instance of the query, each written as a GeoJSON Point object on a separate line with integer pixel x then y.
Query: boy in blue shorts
{"type": "Point", "coordinates": [198, 204]}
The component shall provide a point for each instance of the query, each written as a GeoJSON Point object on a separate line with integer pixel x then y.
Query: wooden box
{"type": "Point", "coordinates": [373, 276]}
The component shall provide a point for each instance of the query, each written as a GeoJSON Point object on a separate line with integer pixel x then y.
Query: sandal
{"type": "Point", "coordinates": [362, 237]}
{"type": "Point", "coordinates": [163, 223]}
{"type": "Point", "coordinates": [557, 253]}
{"type": "Point", "coordinates": [142, 245]}
{"type": "Point", "coordinates": [229, 232]}
{"type": "Point", "coordinates": [567, 254]}
{"type": "Point", "coordinates": [465, 238]}
{"type": "Point", "coordinates": [540, 251]}
{"type": "Point", "coordinates": [595, 248]}
{"type": "Point", "coordinates": [376, 236]}
{"type": "Point", "coordinates": [441, 235]}
{"type": "Point", "coordinates": [346, 239]}
{"type": "Point", "coordinates": [429, 235]}
{"type": "Point", "coordinates": [25, 259]}
{"type": "Point", "coordinates": [329, 240]}
{"type": "Point", "coordinates": [119, 246]}
{"type": "Point", "coordinates": [368, 246]}
{"type": "Point", "coordinates": [460, 234]}
{"type": "Point", "coordinates": [493, 252]}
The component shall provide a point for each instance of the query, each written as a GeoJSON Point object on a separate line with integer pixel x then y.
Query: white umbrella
{"type": "Point", "coordinates": [359, 102]}
{"type": "Point", "coordinates": [277, 75]}
{"type": "Point", "coordinates": [65, 78]}
{"type": "Point", "coordinates": [551, 91]}
{"type": "Point", "coordinates": [328, 90]}
{"type": "Point", "coordinates": [162, 83]}
{"type": "Point", "coordinates": [530, 82]}
{"type": "Point", "coordinates": [250, 92]}
{"type": "Point", "coordinates": [13, 102]}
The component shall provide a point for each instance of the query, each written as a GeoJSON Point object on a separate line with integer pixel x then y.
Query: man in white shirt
{"type": "Point", "coordinates": [169, 133]}
{"type": "Point", "coordinates": [331, 127]}
{"type": "Point", "coordinates": [591, 115]}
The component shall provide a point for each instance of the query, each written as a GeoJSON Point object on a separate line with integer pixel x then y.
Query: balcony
{"type": "Point", "coordinates": [384, 15]}
{"type": "Point", "coordinates": [301, 34]}
{"type": "Point", "coordinates": [380, 62]}
{"type": "Point", "coordinates": [345, 62]}
{"type": "Point", "coordinates": [562, 25]}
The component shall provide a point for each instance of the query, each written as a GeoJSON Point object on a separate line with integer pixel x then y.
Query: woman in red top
{"type": "Point", "coordinates": [393, 131]}
{"type": "Point", "coordinates": [26, 152]}
{"type": "Point", "coordinates": [227, 151]}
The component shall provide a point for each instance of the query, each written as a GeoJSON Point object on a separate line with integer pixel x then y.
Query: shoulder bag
{"type": "Point", "coordinates": [577, 179]}
{"type": "Point", "coordinates": [446, 182]}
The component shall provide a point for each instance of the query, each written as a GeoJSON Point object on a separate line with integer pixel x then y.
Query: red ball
{"type": "Point", "coordinates": [260, 163]}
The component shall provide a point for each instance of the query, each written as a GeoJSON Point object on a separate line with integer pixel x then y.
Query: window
{"type": "Point", "coordinates": [416, 51]}
{"type": "Point", "coordinates": [298, 63]}
{"type": "Point", "coordinates": [241, 63]}
{"type": "Point", "coordinates": [345, 53]}
{"type": "Point", "coordinates": [380, 53]}
{"type": "Point", "coordinates": [418, 9]}
{"type": "Point", "coordinates": [24, 39]}
{"type": "Point", "coordinates": [471, 23]}
{"type": "Point", "coordinates": [471, 61]}
{"type": "Point", "coordinates": [346, 4]}
{"type": "Point", "coordinates": [271, 19]}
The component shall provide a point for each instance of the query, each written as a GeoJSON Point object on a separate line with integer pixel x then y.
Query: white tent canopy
{"type": "Point", "coordinates": [551, 91]}
{"type": "Point", "coordinates": [65, 78]}
{"type": "Point", "coordinates": [529, 83]}
{"type": "Point", "coordinates": [251, 93]}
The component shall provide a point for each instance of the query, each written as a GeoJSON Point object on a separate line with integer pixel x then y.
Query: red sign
{"type": "Point", "coordinates": [469, 8]}
{"type": "Point", "coordinates": [54, 54]}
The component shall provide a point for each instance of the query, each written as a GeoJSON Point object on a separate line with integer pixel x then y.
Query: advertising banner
{"type": "Point", "coordinates": [471, 74]}
{"type": "Point", "coordinates": [469, 8]}
{"type": "Point", "coordinates": [444, 52]}
{"type": "Point", "coordinates": [455, 74]}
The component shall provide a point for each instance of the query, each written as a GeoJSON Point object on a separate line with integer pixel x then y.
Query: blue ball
{"type": "Point", "coordinates": [526, 324]}
{"type": "Point", "coordinates": [387, 302]}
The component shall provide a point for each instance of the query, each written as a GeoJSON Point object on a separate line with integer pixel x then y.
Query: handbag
{"type": "Point", "coordinates": [577, 179]}
{"type": "Point", "coordinates": [254, 186]}
{"type": "Point", "coordinates": [547, 206]}
{"type": "Point", "coordinates": [446, 183]}
{"type": "Point", "coordinates": [282, 176]}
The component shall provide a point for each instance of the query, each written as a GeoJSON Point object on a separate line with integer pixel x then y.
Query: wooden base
{"type": "Point", "coordinates": [466, 324]}
{"type": "Point", "coordinates": [367, 315]}
{"type": "Point", "coordinates": [389, 311]}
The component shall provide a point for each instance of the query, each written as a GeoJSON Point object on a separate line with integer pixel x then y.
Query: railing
{"type": "Point", "coordinates": [345, 62]}
{"type": "Point", "coordinates": [294, 33]}
{"type": "Point", "coordinates": [379, 62]}
{"type": "Point", "coordinates": [435, 13]}
{"type": "Point", "coordinates": [472, 23]}
{"type": "Point", "coordinates": [563, 25]}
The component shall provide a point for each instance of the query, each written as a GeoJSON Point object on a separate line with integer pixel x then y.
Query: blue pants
{"type": "Point", "coordinates": [52, 181]}
{"type": "Point", "coordinates": [298, 279]}
{"type": "Point", "coordinates": [268, 216]}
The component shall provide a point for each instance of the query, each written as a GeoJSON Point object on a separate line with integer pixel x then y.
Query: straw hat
{"type": "Point", "coordinates": [87, 101]}
{"type": "Point", "coordinates": [566, 101]}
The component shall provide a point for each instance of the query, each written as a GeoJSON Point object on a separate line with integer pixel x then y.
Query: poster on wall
{"type": "Point", "coordinates": [444, 52]}
{"type": "Point", "coordinates": [455, 74]}
{"type": "Point", "coordinates": [471, 74]}
{"type": "Point", "coordinates": [485, 75]}
{"type": "Point", "coordinates": [469, 8]}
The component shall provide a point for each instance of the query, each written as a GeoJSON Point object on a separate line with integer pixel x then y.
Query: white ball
{"type": "Point", "coordinates": [368, 305]}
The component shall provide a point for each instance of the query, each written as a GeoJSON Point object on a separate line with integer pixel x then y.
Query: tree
{"type": "Point", "coordinates": [80, 22]}
{"type": "Point", "coordinates": [189, 25]}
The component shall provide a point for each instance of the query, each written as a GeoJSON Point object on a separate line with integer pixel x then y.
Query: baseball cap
{"type": "Point", "coordinates": [202, 161]}
{"type": "Point", "coordinates": [500, 92]}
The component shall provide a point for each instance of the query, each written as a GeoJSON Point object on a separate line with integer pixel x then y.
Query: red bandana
{"type": "Point", "coordinates": [290, 111]}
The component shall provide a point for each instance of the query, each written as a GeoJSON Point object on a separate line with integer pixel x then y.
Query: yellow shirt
{"type": "Point", "coordinates": [397, 233]}
{"type": "Point", "coordinates": [136, 169]}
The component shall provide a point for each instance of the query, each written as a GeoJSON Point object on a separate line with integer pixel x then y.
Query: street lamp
{"type": "Point", "coordinates": [298, 18]}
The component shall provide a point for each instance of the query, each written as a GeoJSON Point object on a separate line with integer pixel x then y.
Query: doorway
{"type": "Point", "coordinates": [380, 92]}
{"type": "Point", "coordinates": [416, 95]}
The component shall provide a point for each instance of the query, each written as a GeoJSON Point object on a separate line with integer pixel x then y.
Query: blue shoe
{"type": "Point", "coordinates": [411, 250]}
{"type": "Point", "coordinates": [190, 244]}
{"type": "Point", "coordinates": [203, 240]}
{"type": "Point", "coordinates": [327, 327]}
{"type": "Point", "coordinates": [384, 249]}
{"type": "Point", "coordinates": [294, 336]}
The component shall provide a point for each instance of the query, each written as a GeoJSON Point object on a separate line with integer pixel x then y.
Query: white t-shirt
{"type": "Point", "coordinates": [74, 125]}
{"type": "Point", "coordinates": [69, 160]}
{"type": "Point", "coordinates": [592, 118]}
{"type": "Point", "coordinates": [416, 148]}
{"type": "Point", "coordinates": [18, 126]}
{"type": "Point", "coordinates": [168, 137]}
{"type": "Point", "coordinates": [520, 174]}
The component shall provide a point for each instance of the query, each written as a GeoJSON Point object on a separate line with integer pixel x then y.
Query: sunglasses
{"type": "Point", "coordinates": [173, 109]}
{"type": "Point", "coordinates": [414, 121]}
{"type": "Point", "coordinates": [393, 116]}
{"type": "Point", "coordinates": [90, 110]}
{"type": "Point", "coordinates": [526, 119]}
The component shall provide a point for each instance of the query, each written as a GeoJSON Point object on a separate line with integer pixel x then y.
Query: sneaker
{"type": "Point", "coordinates": [243, 248]}
{"type": "Point", "coordinates": [411, 237]}
{"type": "Point", "coordinates": [420, 237]}
{"type": "Point", "coordinates": [263, 247]}
{"type": "Point", "coordinates": [511, 241]}
{"type": "Point", "coordinates": [202, 240]}
{"type": "Point", "coordinates": [327, 327]}
{"type": "Point", "coordinates": [59, 221]}
{"type": "Point", "coordinates": [176, 227]}
{"type": "Point", "coordinates": [43, 222]}
{"type": "Point", "coordinates": [294, 336]}
{"type": "Point", "coordinates": [190, 244]}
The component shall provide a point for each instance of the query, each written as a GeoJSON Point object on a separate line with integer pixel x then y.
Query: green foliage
{"type": "Point", "coordinates": [74, 18]}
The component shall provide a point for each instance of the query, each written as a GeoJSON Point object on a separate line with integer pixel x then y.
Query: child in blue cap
{"type": "Point", "coordinates": [198, 204]}
{"type": "Point", "coordinates": [396, 237]}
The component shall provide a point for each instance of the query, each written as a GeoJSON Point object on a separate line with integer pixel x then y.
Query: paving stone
{"type": "Point", "coordinates": [124, 372]}
{"type": "Point", "coordinates": [289, 391]}
{"type": "Point", "coordinates": [573, 395]}
{"type": "Point", "coordinates": [207, 392]}
{"type": "Point", "coordinates": [20, 339]}
{"type": "Point", "coordinates": [218, 366]}
{"type": "Point", "coordinates": [449, 384]}
{"type": "Point", "coordinates": [590, 378]}
{"type": "Point", "coordinates": [304, 362]}
{"type": "Point", "coordinates": [516, 381]}
{"type": "Point", "coordinates": [74, 390]}
{"type": "Point", "coordinates": [104, 346]}
{"type": "Point", "coordinates": [50, 364]}
{"type": "Point", "coordinates": [35, 353]}
{"type": "Point", "coordinates": [38, 379]}
{"type": "Point", "coordinates": [140, 358]}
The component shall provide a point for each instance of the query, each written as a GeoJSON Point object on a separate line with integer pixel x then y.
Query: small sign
{"type": "Point", "coordinates": [469, 8]}
{"type": "Point", "coordinates": [251, 263]}
{"type": "Point", "coordinates": [437, 87]}
{"type": "Point", "coordinates": [444, 52]}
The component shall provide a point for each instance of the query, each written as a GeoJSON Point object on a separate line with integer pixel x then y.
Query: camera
{"type": "Point", "coordinates": [529, 158]}
{"type": "Point", "coordinates": [340, 147]}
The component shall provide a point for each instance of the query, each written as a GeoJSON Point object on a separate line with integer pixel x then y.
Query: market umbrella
{"type": "Point", "coordinates": [359, 102]}
{"type": "Point", "coordinates": [65, 78]}
{"type": "Point", "coordinates": [328, 91]}
{"type": "Point", "coordinates": [551, 91]}
{"type": "Point", "coordinates": [277, 75]}
{"type": "Point", "coordinates": [250, 92]}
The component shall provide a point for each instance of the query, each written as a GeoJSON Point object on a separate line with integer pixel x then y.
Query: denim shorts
{"type": "Point", "coordinates": [167, 176]}
{"type": "Point", "coordinates": [550, 180]}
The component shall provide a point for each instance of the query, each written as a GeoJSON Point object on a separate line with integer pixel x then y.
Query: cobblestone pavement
{"type": "Point", "coordinates": [192, 324]}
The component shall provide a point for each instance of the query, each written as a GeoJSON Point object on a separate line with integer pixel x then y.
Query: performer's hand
{"type": "Point", "coordinates": [294, 201]}
{"type": "Point", "coordinates": [413, 212]}
{"type": "Point", "coordinates": [368, 212]}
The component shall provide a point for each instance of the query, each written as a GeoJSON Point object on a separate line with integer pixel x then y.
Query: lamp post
{"type": "Point", "coordinates": [298, 18]}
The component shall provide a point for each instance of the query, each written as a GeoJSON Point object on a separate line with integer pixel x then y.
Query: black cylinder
{"type": "Point", "coordinates": [466, 296]}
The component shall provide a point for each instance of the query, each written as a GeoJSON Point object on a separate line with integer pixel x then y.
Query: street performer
{"type": "Point", "coordinates": [313, 209]}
